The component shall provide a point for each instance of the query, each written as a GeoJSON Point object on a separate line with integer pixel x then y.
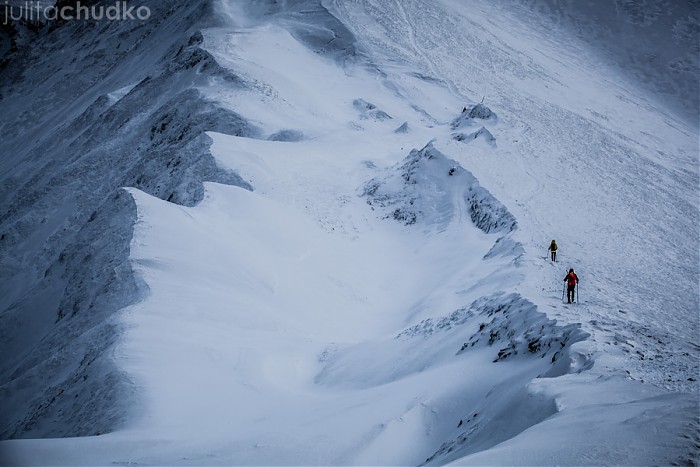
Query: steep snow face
{"type": "Point", "coordinates": [362, 277]}
{"type": "Point", "coordinates": [125, 113]}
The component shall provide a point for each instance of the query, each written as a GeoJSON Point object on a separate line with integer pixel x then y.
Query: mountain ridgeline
{"type": "Point", "coordinates": [315, 232]}
{"type": "Point", "coordinates": [74, 139]}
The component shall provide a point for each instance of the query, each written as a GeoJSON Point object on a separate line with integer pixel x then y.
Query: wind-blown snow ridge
{"type": "Point", "coordinates": [71, 217]}
{"type": "Point", "coordinates": [281, 283]}
{"type": "Point", "coordinates": [516, 322]}
{"type": "Point", "coordinates": [414, 191]}
{"type": "Point", "coordinates": [505, 319]}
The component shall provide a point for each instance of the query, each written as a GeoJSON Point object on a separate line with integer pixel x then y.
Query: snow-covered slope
{"type": "Point", "coordinates": [267, 233]}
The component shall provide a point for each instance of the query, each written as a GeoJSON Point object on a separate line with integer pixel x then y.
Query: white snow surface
{"type": "Point", "coordinates": [360, 305]}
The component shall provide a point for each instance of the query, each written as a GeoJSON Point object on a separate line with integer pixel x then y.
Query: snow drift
{"type": "Point", "coordinates": [315, 232]}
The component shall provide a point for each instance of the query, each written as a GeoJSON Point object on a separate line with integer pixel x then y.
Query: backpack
{"type": "Point", "coordinates": [571, 279]}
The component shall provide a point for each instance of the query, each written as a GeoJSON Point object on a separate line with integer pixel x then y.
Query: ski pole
{"type": "Point", "coordinates": [577, 293]}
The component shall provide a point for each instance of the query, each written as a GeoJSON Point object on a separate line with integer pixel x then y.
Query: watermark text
{"type": "Point", "coordinates": [38, 12]}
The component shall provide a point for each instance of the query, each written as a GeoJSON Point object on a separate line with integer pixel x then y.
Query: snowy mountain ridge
{"type": "Point", "coordinates": [416, 192]}
{"type": "Point", "coordinates": [266, 232]}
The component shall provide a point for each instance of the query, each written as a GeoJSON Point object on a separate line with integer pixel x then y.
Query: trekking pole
{"type": "Point", "coordinates": [577, 293]}
{"type": "Point", "coordinates": [563, 291]}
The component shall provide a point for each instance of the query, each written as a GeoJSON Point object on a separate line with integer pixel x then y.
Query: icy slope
{"type": "Point", "coordinates": [374, 289]}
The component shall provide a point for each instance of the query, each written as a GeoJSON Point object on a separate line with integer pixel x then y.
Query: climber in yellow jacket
{"type": "Point", "coordinates": [553, 248]}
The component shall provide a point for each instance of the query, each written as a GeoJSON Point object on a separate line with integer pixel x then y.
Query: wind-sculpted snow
{"type": "Point", "coordinates": [508, 247]}
{"type": "Point", "coordinates": [514, 324]}
{"type": "Point", "coordinates": [480, 133]}
{"type": "Point", "coordinates": [484, 427]}
{"type": "Point", "coordinates": [474, 116]}
{"type": "Point", "coordinates": [508, 322]}
{"type": "Point", "coordinates": [291, 136]}
{"type": "Point", "coordinates": [369, 110]}
{"type": "Point", "coordinates": [67, 376]}
{"type": "Point", "coordinates": [403, 128]}
{"type": "Point", "coordinates": [112, 128]}
{"type": "Point", "coordinates": [309, 21]}
{"type": "Point", "coordinates": [429, 326]}
{"type": "Point", "coordinates": [469, 116]}
{"type": "Point", "coordinates": [501, 327]}
{"type": "Point", "coordinates": [217, 246]}
{"type": "Point", "coordinates": [515, 327]}
{"type": "Point", "coordinates": [191, 55]}
{"type": "Point", "coordinates": [66, 226]}
{"type": "Point", "coordinates": [427, 187]}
